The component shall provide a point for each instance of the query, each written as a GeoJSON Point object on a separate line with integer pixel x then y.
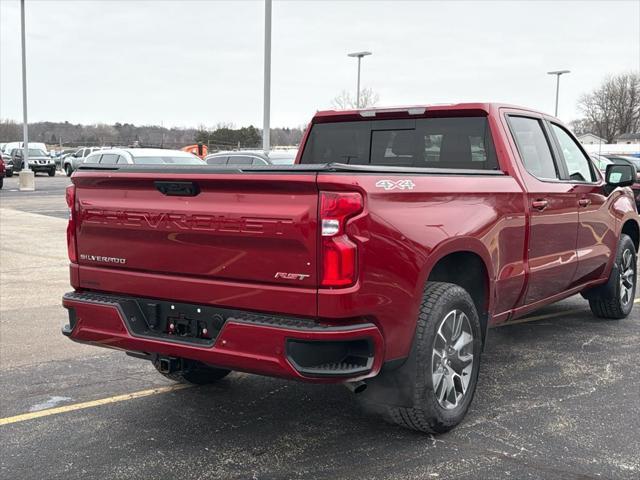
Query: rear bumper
{"type": "Point", "coordinates": [270, 345]}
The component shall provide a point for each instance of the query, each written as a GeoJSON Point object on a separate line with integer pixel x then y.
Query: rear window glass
{"type": "Point", "coordinates": [457, 143]}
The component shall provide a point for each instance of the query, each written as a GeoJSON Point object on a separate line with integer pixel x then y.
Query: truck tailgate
{"type": "Point", "coordinates": [251, 228]}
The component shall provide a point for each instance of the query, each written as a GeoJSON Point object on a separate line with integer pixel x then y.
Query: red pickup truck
{"type": "Point", "coordinates": [379, 260]}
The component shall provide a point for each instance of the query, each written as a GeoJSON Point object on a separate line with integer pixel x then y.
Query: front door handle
{"type": "Point", "coordinates": [584, 202]}
{"type": "Point", "coordinates": [540, 204]}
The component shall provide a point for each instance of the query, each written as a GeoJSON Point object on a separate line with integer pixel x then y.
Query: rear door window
{"type": "Point", "coordinates": [533, 147]}
{"type": "Point", "coordinates": [240, 160]}
{"type": "Point", "coordinates": [109, 159]}
{"type": "Point", "coordinates": [449, 143]}
{"type": "Point", "coordinates": [92, 159]}
{"type": "Point", "coordinates": [217, 160]}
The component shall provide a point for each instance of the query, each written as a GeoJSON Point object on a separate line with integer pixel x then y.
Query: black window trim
{"type": "Point", "coordinates": [564, 161]}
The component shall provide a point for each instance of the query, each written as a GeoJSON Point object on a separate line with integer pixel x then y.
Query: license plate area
{"type": "Point", "coordinates": [173, 321]}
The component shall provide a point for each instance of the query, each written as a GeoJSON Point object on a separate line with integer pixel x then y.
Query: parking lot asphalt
{"type": "Point", "coordinates": [558, 396]}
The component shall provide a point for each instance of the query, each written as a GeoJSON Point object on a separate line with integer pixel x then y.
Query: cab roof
{"type": "Point", "coordinates": [417, 111]}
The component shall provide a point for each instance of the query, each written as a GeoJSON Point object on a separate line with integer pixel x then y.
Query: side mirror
{"type": "Point", "coordinates": [619, 175]}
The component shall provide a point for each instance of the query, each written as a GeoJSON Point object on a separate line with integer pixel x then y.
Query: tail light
{"type": "Point", "coordinates": [70, 195]}
{"type": "Point", "coordinates": [338, 253]}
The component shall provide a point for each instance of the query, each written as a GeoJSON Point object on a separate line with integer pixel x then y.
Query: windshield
{"type": "Point", "coordinates": [626, 159]}
{"type": "Point", "coordinates": [634, 160]}
{"type": "Point", "coordinates": [35, 152]}
{"type": "Point", "coordinates": [167, 160]}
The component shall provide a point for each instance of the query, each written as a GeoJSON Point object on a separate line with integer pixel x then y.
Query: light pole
{"type": "Point", "coordinates": [26, 179]}
{"type": "Point", "coordinates": [359, 56]}
{"type": "Point", "coordinates": [557, 73]}
{"type": "Point", "coordinates": [266, 128]}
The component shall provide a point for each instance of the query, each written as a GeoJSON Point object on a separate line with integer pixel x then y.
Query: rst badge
{"type": "Point", "coordinates": [387, 184]}
{"type": "Point", "coordinates": [291, 276]}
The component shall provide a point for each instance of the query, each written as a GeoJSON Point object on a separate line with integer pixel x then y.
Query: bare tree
{"type": "Point", "coordinates": [581, 126]}
{"type": "Point", "coordinates": [344, 101]}
{"type": "Point", "coordinates": [10, 131]}
{"type": "Point", "coordinates": [614, 107]}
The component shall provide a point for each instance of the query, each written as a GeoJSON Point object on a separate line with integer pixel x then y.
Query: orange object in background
{"type": "Point", "coordinates": [198, 149]}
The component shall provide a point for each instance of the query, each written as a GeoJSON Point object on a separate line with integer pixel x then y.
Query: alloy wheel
{"type": "Point", "coordinates": [627, 277]}
{"type": "Point", "coordinates": [452, 359]}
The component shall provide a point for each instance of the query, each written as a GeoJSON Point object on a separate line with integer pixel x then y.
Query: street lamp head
{"type": "Point", "coordinates": [558, 72]}
{"type": "Point", "coordinates": [359, 54]}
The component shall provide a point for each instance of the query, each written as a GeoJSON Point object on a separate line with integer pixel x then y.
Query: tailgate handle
{"type": "Point", "coordinates": [178, 189]}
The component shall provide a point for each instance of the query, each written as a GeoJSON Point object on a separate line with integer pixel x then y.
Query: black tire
{"type": "Point", "coordinates": [9, 173]}
{"type": "Point", "coordinates": [608, 302]}
{"type": "Point", "coordinates": [196, 373]}
{"type": "Point", "coordinates": [1, 182]}
{"type": "Point", "coordinates": [52, 172]}
{"type": "Point", "coordinates": [427, 414]}
{"type": "Point", "coordinates": [68, 170]}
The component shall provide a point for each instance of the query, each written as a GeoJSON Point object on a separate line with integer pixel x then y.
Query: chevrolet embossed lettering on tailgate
{"type": "Point", "coordinates": [236, 228]}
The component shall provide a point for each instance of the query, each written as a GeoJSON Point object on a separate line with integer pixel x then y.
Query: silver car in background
{"type": "Point", "coordinates": [252, 157]}
{"type": "Point", "coordinates": [141, 156]}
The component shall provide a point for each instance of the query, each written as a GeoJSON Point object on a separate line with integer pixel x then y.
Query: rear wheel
{"type": "Point", "coordinates": [194, 372]}
{"type": "Point", "coordinates": [68, 170]}
{"type": "Point", "coordinates": [615, 299]}
{"type": "Point", "coordinates": [448, 345]}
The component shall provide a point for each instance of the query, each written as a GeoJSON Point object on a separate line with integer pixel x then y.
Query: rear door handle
{"type": "Point", "coordinates": [540, 204]}
{"type": "Point", "coordinates": [584, 202]}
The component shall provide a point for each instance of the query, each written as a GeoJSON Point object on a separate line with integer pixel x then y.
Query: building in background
{"type": "Point", "coordinates": [627, 138]}
{"type": "Point", "coordinates": [590, 139]}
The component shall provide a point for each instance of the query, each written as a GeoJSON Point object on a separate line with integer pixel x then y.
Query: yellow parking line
{"type": "Point", "coordinates": [93, 403]}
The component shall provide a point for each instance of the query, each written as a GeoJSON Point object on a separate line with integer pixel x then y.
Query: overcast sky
{"type": "Point", "coordinates": [189, 63]}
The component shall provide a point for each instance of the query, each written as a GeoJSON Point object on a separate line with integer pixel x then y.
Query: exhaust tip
{"type": "Point", "coordinates": [356, 387]}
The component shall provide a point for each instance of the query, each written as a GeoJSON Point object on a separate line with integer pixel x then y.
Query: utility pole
{"type": "Point", "coordinates": [359, 56]}
{"type": "Point", "coordinates": [557, 73]}
{"type": "Point", "coordinates": [266, 128]}
{"type": "Point", "coordinates": [26, 178]}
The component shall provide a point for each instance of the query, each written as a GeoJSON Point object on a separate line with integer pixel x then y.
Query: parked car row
{"type": "Point", "coordinates": [109, 155]}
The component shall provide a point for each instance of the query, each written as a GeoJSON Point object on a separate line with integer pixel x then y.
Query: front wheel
{"type": "Point", "coordinates": [447, 346]}
{"type": "Point", "coordinates": [52, 172]}
{"type": "Point", "coordinates": [9, 173]}
{"type": "Point", "coordinates": [614, 300]}
{"type": "Point", "coordinates": [68, 170]}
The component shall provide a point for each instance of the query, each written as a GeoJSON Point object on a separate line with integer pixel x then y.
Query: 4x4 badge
{"type": "Point", "coordinates": [395, 184]}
